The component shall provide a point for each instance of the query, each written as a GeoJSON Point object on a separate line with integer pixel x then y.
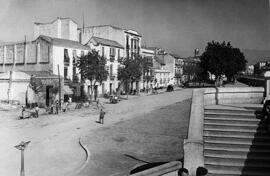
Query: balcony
{"type": "Point", "coordinates": [112, 77]}
{"type": "Point", "coordinates": [112, 58]}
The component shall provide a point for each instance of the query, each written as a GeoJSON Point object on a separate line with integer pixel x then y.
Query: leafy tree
{"type": "Point", "coordinates": [222, 59]}
{"type": "Point", "coordinates": [92, 67]}
{"type": "Point", "coordinates": [131, 70]}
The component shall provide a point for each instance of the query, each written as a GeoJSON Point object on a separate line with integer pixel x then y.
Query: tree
{"type": "Point", "coordinates": [222, 59]}
{"type": "Point", "coordinates": [130, 71]}
{"type": "Point", "coordinates": [92, 67]}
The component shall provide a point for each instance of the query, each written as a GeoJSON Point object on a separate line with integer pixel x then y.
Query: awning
{"type": "Point", "coordinates": [67, 90]}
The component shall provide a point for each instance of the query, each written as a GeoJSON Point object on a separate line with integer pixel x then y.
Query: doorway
{"type": "Point", "coordinates": [48, 95]}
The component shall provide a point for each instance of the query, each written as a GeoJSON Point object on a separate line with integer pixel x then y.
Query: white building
{"type": "Point", "coordinates": [129, 39]}
{"type": "Point", "coordinates": [113, 52]}
{"type": "Point", "coordinates": [45, 54]}
{"type": "Point", "coordinates": [148, 76]}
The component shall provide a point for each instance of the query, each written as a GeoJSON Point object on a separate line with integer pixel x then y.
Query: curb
{"type": "Point", "coordinates": [86, 158]}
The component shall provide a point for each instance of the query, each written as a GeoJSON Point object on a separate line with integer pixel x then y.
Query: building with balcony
{"type": "Point", "coordinates": [178, 69]}
{"type": "Point", "coordinates": [54, 55]}
{"type": "Point", "coordinates": [148, 75]}
{"type": "Point", "coordinates": [129, 39]}
{"type": "Point", "coordinates": [113, 52]}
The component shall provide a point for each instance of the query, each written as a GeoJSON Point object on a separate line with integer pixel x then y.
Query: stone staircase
{"type": "Point", "coordinates": [236, 143]}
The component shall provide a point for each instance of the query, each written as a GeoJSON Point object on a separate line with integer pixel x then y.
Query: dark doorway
{"type": "Point", "coordinates": [110, 88]}
{"type": "Point", "coordinates": [48, 95]}
{"type": "Point", "coordinates": [95, 92]}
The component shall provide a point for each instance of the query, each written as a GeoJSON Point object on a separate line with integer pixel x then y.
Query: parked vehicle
{"type": "Point", "coordinates": [114, 99]}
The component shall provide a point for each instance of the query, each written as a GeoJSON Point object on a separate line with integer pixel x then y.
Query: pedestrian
{"type": "Point", "coordinates": [36, 110]}
{"type": "Point", "coordinates": [52, 105]}
{"type": "Point", "coordinates": [23, 109]}
{"type": "Point", "coordinates": [201, 171]}
{"type": "Point", "coordinates": [183, 172]}
{"type": "Point", "coordinates": [56, 106]}
{"type": "Point", "coordinates": [98, 103]}
{"type": "Point", "coordinates": [101, 116]}
{"type": "Point", "coordinates": [65, 104]}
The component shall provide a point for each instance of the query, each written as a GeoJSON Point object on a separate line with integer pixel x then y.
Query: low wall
{"type": "Point", "coordinates": [168, 169]}
{"type": "Point", "coordinates": [233, 95]}
{"type": "Point", "coordinates": [193, 145]}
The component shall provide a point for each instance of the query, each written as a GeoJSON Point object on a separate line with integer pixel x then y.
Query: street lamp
{"type": "Point", "coordinates": [21, 147]}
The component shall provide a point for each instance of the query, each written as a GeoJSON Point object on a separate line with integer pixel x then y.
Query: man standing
{"type": "Point", "coordinates": [56, 106]}
{"type": "Point", "coordinates": [101, 116]}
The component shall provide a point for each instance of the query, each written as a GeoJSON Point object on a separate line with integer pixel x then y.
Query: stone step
{"type": "Point", "coordinates": [232, 115]}
{"type": "Point", "coordinates": [245, 170]}
{"type": "Point", "coordinates": [239, 134]}
{"type": "Point", "coordinates": [237, 162]}
{"type": "Point", "coordinates": [233, 126]}
{"type": "Point", "coordinates": [236, 140]}
{"type": "Point", "coordinates": [242, 155]}
{"type": "Point", "coordinates": [237, 118]}
{"type": "Point", "coordinates": [236, 147]}
{"type": "Point", "coordinates": [236, 130]}
{"type": "Point", "coordinates": [232, 120]}
{"type": "Point", "coordinates": [238, 111]}
{"type": "Point", "coordinates": [210, 174]}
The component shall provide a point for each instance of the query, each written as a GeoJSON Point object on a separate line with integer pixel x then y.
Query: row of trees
{"type": "Point", "coordinates": [92, 67]}
{"type": "Point", "coordinates": [218, 59]}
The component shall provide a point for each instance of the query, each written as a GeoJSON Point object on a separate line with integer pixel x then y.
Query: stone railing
{"type": "Point", "coordinates": [193, 145]}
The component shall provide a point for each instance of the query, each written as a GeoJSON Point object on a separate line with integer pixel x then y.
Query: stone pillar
{"type": "Point", "coordinates": [267, 83]}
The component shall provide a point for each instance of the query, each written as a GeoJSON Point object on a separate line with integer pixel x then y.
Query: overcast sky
{"type": "Point", "coordinates": [176, 25]}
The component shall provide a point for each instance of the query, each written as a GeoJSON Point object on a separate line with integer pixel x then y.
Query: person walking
{"type": "Point", "coordinates": [36, 110]}
{"type": "Point", "coordinates": [101, 116]}
{"type": "Point", "coordinates": [56, 106]}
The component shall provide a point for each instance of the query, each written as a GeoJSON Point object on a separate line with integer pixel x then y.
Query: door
{"type": "Point", "coordinates": [110, 88]}
{"type": "Point", "coordinates": [48, 95]}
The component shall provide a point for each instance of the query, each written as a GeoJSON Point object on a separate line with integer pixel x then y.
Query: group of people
{"type": "Point", "coordinates": [55, 107]}
{"type": "Point", "coordinates": [201, 171]}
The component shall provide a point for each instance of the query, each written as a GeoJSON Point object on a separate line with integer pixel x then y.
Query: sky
{"type": "Point", "coordinates": [176, 25]}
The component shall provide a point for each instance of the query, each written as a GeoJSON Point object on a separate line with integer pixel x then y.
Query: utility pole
{"type": "Point", "coordinates": [21, 147]}
{"type": "Point", "coordinates": [59, 86]}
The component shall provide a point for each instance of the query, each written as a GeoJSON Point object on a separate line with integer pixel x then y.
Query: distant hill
{"type": "Point", "coordinates": [254, 56]}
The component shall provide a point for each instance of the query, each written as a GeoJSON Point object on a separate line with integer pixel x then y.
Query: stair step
{"type": "Point", "coordinates": [240, 134]}
{"type": "Point", "coordinates": [236, 140]}
{"type": "Point", "coordinates": [232, 120]}
{"type": "Point", "coordinates": [237, 162]}
{"type": "Point", "coordinates": [227, 114]}
{"type": "Point", "coordinates": [239, 111]}
{"type": "Point", "coordinates": [236, 147]}
{"type": "Point", "coordinates": [210, 174]}
{"type": "Point", "coordinates": [256, 155]}
{"type": "Point", "coordinates": [231, 126]}
{"type": "Point", "coordinates": [235, 130]}
{"type": "Point", "coordinates": [246, 170]}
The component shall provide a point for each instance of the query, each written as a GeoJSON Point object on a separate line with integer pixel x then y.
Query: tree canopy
{"type": "Point", "coordinates": [222, 59]}
{"type": "Point", "coordinates": [92, 67]}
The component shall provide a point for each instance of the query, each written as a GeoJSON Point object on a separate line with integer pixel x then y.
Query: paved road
{"type": "Point", "coordinates": [54, 148]}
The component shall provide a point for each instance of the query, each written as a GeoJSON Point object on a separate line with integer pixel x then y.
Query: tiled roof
{"type": "Point", "coordinates": [64, 42]}
{"type": "Point", "coordinates": [106, 42]}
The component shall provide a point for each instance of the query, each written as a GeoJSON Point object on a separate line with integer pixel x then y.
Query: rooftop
{"type": "Point", "coordinates": [64, 42]}
{"type": "Point", "coordinates": [106, 42]}
{"type": "Point", "coordinates": [58, 18]}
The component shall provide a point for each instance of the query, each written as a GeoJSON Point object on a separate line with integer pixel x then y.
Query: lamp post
{"type": "Point", "coordinates": [21, 147]}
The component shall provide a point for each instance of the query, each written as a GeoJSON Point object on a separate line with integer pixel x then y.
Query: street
{"type": "Point", "coordinates": [55, 150]}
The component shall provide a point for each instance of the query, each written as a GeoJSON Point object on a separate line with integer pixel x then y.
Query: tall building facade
{"type": "Point", "coordinates": [130, 39]}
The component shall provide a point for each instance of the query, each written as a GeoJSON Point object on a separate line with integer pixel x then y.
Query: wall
{"type": "Point", "coordinates": [32, 56]}
{"type": "Point", "coordinates": [49, 29]}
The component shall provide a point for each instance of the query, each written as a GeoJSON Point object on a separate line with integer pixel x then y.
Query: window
{"type": "Point", "coordinates": [111, 70]}
{"type": "Point", "coordinates": [127, 42]}
{"type": "Point", "coordinates": [66, 56]}
{"type": "Point", "coordinates": [65, 72]}
{"type": "Point", "coordinates": [112, 52]}
{"type": "Point", "coordinates": [118, 54]}
{"type": "Point", "coordinates": [102, 50]}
